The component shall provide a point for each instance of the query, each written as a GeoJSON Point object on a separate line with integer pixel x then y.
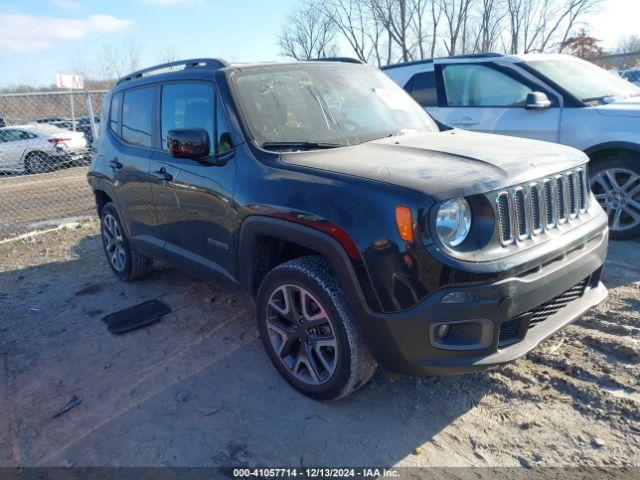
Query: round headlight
{"type": "Point", "coordinates": [453, 222]}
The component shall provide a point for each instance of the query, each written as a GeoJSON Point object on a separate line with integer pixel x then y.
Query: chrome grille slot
{"type": "Point", "coordinates": [527, 211]}
{"type": "Point", "coordinates": [520, 205]}
{"type": "Point", "coordinates": [581, 190]}
{"type": "Point", "coordinates": [560, 197]}
{"type": "Point", "coordinates": [548, 203]}
{"type": "Point", "coordinates": [536, 209]}
{"type": "Point", "coordinates": [572, 198]}
{"type": "Point", "coordinates": [504, 218]}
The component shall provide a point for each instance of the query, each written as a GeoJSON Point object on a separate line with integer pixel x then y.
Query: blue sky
{"type": "Point", "coordinates": [39, 38]}
{"type": "Point", "coordinates": [33, 50]}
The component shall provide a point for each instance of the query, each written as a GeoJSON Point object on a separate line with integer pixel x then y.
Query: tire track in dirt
{"type": "Point", "coordinates": [9, 453]}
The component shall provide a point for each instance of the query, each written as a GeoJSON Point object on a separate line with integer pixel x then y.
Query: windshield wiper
{"type": "Point", "coordinates": [600, 98]}
{"type": "Point", "coordinates": [301, 145]}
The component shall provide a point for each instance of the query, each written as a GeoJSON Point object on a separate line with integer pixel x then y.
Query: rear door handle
{"type": "Point", "coordinates": [115, 164]}
{"type": "Point", "coordinates": [466, 122]}
{"type": "Point", "coordinates": [162, 175]}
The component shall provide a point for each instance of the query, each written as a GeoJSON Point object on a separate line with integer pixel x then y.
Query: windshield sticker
{"type": "Point", "coordinates": [392, 99]}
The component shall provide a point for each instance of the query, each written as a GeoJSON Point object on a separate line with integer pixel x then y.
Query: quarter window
{"type": "Point", "coordinates": [187, 105]}
{"type": "Point", "coordinates": [472, 85]}
{"type": "Point", "coordinates": [422, 87]}
{"type": "Point", "coordinates": [223, 135]}
{"type": "Point", "coordinates": [114, 113]}
{"type": "Point", "coordinates": [137, 106]}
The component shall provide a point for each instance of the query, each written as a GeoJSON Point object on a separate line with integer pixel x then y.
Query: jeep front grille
{"type": "Point", "coordinates": [529, 210]}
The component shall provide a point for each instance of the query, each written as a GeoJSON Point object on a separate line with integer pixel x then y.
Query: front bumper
{"type": "Point", "coordinates": [556, 293]}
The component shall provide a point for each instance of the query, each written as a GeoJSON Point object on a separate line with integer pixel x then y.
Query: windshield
{"type": "Point", "coordinates": [584, 80]}
{"type": "Point", "coordinates": [323, 106]}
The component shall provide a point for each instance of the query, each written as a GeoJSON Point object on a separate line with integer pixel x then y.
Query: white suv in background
{"type": "Point", "coordinates": [557, 98]}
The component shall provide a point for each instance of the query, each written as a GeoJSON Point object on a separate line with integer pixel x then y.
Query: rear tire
{"type": "Point", "coordinates": [316, 345]}
{"type": "Point", "coordinates": [37, 162]}
{"type": "Point", "coordinates": [615, 182]}
{"type": "Point", "coordinates": [124, 259]}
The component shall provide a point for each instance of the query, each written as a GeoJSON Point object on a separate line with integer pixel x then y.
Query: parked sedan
{"type": "Point", "coordinates": [40, 148]}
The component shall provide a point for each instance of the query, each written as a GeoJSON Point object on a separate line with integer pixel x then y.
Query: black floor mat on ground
{"type": "Point", "coordinates": [135, 317]}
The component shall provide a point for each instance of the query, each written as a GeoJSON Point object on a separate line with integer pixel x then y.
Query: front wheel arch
{"type": "Point", "coordinates": [358, 289]}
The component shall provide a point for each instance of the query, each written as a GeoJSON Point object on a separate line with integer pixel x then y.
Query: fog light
{"type": "Point", "coordinates": [442, 331]}
{"type": "Point", "coordinates": [460, 297]}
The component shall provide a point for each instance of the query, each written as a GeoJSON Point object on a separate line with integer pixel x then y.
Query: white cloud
{"type": "Point", "coordinates": [67, 4]}
{"type": "Point", "coordinates": [26, 33]}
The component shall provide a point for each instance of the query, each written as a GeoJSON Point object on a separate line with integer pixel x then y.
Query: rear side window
{"type": "Point", "coordinates": [422, 87]}
{"type": "Point", "coordinates": [137, 107]}
{"type": "Point", "coordinates": [114, 113]}
{"type": "Point", "coordinates": [187, 105]}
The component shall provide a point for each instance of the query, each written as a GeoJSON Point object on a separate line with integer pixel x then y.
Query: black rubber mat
{"type": "Point", "coordinates": [135, 317]}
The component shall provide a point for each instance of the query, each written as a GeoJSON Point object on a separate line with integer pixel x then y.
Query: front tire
{"type": "Point", "coordinates": [308, 331]}
{"type": "Point", "coordinates": [615, 182]}
{"type": "Point", "coordinates": [125, 261]}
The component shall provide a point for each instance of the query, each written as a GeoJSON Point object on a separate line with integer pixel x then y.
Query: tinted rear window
{"type": "Point", "coordinates": [137, 106]}
{"type": "Point", "coordinates": [422, 87]}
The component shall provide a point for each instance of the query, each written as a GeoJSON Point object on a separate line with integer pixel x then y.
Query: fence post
{"type": "Point", "coordinates": [90, 110]}
{"type": "Point", "coordinates": [73, 111]}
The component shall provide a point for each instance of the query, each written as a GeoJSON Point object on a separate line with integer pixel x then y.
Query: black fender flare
{"type": "Point", "coordinates": [254, 226]}
{"type": "Point", "coordinates": [602, 147]}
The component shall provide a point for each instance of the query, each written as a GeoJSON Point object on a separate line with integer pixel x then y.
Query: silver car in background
{"type": "Point", "coordinates": [40, 148]}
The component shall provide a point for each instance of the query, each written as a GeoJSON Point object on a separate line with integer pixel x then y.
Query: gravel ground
{"type": "Point", "coordinates": [196, 389]}
{"type": "Point", "coordinates": [30, 202]}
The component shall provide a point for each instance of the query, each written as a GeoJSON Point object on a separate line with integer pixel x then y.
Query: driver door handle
{"type": "Point", "coordinates": [162, 175]}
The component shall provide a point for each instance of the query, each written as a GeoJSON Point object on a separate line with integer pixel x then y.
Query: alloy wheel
{"type": "Point", "coordinates": [618, 192]}
{"type": "Point", "coordinates": [114, 242]}
{"type": "Point", "coordinates": [301, 334]}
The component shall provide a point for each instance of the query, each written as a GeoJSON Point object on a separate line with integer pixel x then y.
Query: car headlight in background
{"type": "Point", "coordinates": [453, 222]}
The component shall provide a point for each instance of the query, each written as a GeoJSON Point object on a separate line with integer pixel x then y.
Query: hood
{"type": "Point", "coordinates": [445, 164]}
{"type": "Point", "coordinates": [626, 107]}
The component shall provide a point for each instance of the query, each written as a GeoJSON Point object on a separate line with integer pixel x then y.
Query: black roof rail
{"type": "Point", "coordinates": [338, 59]}
{"type": "Point", "coordinates": [406, 64]}
{"type": "Point", "coordinates": [477, 55]}
{"type": "Point", "coordinates": [430, 60]}
{"type": "Point", "coordinates": [212, 63]}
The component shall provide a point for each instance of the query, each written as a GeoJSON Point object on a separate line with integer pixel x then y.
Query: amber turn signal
{"type": "Point", "coordinates": [404, 223]}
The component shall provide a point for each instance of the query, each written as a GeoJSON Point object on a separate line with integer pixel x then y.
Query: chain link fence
{"type": "Point", "coordinates": [45, 148]}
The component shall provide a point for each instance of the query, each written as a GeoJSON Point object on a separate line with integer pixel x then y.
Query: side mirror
{"type": "Point", "coordinates": [189, 143]}
{"type": "Point", "coordinates": [537, 101]}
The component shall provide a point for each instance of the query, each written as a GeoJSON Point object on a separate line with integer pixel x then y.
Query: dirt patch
{"type": "Point", "coordinates": [196, 389]}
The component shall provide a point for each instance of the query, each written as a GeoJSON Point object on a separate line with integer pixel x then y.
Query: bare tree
{"type": "Point", "coordinates": [355, 22]}
{"type": "Point", "coordinates": [628, 44]}
{"type": "Point", "coordinates": [395, 17]}
{"type": "Point", "coordinates": [456, 13]}
{"type": "Point", "coordinates": [490, 20]}
{"type": "Point", "coordinates": [115, 62]}
{"type": "Point", "coordinates": [167, 54]}
{"type": "Point", "coordinates": [543, 25]}
{"type": "Point", "coordinates": [308, 34]}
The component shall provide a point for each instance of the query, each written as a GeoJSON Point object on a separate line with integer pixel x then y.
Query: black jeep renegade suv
{"type": "Point", "coordinates": [364, 233]}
